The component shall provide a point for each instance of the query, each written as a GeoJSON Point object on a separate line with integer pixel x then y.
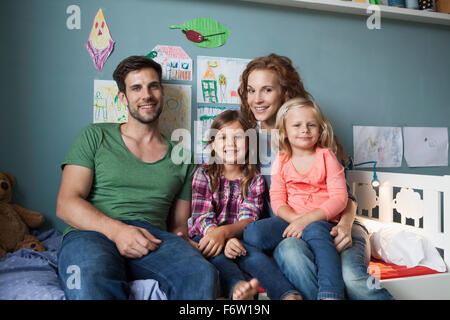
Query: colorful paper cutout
{"type": "Point", "coordinates": [205, 32]}
{"type": "Point", "coordinates": [100, 44]}
{"type": "Point", "coordinates": [218, 79]}
{"type": "Point", "coordinates": [175, 62]}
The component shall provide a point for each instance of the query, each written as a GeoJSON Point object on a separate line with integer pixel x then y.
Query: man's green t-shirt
{"type": "Point", "coordinates": [124, 187]}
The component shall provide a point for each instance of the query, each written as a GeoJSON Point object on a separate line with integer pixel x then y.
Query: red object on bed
{"type": "Point", "coordinates": [385, 270]}
{"type": "Point", "coordinates": [391, 271]}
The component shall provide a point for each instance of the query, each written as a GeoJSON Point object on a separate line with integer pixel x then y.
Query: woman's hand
{"type": "Point", "coordinates": [212, 243]}
{"type": "Point", "coordinates": [234, 249]}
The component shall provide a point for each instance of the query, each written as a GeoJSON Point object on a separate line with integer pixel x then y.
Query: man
{"type": "Point", "coordinates": [119, 189]}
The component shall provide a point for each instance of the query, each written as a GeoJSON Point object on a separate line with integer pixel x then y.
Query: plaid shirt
{"type": "Point", "coordinates": [224, 206]}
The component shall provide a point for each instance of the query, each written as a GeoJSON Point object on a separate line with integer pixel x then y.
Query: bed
{"type": "Point", "coordinates": [417, 205]}
{"type": "Point", "coordinates": [30, 275]}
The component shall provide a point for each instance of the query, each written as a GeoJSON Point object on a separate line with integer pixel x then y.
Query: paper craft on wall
{"type": "Point", "coordinates": [100, 43]}
{"type": "Point", "coordinates": [175, 63]}
{"type": "Point", "coordinates": [204, 32]}
{"type": "Point", "coordinates": [205, 117]}
{"type": "Point", "coordinates": [176, 112]}
{"type": "Point", "coordinates": [381, 144]}
{"type": "Point", "coordinates": [218, 79]}
{"type": "Point", "coordinates": [426, 147]}
{"type": "Point", "coordinates": [107, 105]}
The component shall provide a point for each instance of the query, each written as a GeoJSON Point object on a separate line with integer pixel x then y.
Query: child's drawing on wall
{"type": "Point", "coordinates": [223, 87]}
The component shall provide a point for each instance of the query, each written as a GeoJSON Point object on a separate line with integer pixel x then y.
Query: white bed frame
{"type": "Point", "coordinates": [410, 204]}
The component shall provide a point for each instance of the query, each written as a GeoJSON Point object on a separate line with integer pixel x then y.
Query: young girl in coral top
{"type": "Point", "coordinates": [308, 191]}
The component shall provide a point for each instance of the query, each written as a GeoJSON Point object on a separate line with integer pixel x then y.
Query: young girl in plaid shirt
{"type": "Point", "coordinates": [227, 196]}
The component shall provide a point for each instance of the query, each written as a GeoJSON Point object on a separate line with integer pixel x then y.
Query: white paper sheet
{"type": "Point", "coordinates": [425, 146]}
{"type": "Point", "coordinates": [381, 144]}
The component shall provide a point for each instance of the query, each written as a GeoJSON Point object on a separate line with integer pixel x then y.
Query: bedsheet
{"type": "Point", "coordinates": [31, 275]}
{"type": "Point", "coordinates": [385, 270]}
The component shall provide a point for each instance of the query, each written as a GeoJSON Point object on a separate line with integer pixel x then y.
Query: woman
{"type": "Point", "coordinates": [266, 83]}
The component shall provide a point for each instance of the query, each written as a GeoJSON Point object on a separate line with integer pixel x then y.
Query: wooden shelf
{"type": "Point", "coordinates": [350, 7]}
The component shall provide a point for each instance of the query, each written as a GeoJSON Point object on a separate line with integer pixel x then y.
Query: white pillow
{"type": "Point", "coordinates": [393, 244]}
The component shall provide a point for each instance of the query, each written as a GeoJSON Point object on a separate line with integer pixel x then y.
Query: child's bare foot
{"type": "Point", "coordinates": [293, 297]}
{"type": "Point", "coordinates": [246, 290]}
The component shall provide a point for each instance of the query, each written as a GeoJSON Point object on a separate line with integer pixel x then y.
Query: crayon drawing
{"type": "Point", "coordinates": [100, 44]}
{"type": "Point", "coordinates": [205, 117]}
{"type": "Point", "coordinates": [176, 106]}
{"type": "Point", "coordinates": [425, 146]}
{"type": "Point", "coordinates": [218, 79]}
{"type": "Point", "coordinates": [107, 105]}
{"type": "Point", "coordinates": [176, 112]}
{"type": "Point", "coordinates": [381, 144]}
{"type": "Point", "coordinates": [175, 63]}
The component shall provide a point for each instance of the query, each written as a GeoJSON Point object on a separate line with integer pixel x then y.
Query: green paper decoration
{"type": "Point", "coordinates": [214, 34]}
{"type": "Point", "coordinates": [152, 54]}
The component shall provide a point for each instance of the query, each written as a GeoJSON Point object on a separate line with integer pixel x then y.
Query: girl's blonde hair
{"type": "Point", "coordinates": [215, 170]}
{"type": "Point", "coordinates": [326, 139]}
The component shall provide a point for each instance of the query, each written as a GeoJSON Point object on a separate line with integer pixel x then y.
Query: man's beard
{"type": "Point", "coordinates": [134, 112]}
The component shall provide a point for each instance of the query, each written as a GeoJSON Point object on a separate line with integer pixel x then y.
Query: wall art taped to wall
{"type": "Point", "coordinates": [381, 144]}
{"type": "Point", "coordinates": [176, 106]}
{"type": "Point", "coordinates": [175, 62]}
{"type": "Point", "coordinates": [218, 79]}
{"type": "Point", "coordinates": [100, 44]}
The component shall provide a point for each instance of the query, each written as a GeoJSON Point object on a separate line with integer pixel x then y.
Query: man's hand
{"type": "Point", "coordinates": [234, 249]}
{"type": "Point", "coordinates": [212, 243]}
{"type": "Point", "coordinates": [134, 242]}
{"type": "Point", "coordinates": [342, 237]}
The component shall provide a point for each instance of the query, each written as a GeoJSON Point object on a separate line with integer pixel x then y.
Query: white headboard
{"type": "Point", "coordinates": [424, 198]}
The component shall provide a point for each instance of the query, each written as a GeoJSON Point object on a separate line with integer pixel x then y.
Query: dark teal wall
{"type": "Point", "coordinates": [396, 76]}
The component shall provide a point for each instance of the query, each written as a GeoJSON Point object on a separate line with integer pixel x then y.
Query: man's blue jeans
{"type": "Point", "coordinates": [266, 234]}
{"type": "Point", "coordinates": [103, 272]}
{"type": "Point", "coordinates": [296, 260]}
{"type": "Point", "coordinates": [256, 264]}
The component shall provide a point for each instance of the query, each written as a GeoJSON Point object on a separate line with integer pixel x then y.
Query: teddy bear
{"type": "Point", "coordinates": [15, 221]}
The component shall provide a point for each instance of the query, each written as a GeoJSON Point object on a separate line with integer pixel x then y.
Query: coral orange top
{"type": "Point", "coordinates": [323, 186]}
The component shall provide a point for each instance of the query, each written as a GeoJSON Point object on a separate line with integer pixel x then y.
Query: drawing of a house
{"type": "Point", "coordinates": [209, 86]}
{"type": "Point", "coordinates": [175, 63]}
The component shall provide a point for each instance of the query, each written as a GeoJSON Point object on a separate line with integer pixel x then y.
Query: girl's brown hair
{"type": "Point", "coordinates": [289, 79]}
{"type": "Point", "coordinates": [214, 169]}
{"type": "Point", "coordinates": [326, 138]}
